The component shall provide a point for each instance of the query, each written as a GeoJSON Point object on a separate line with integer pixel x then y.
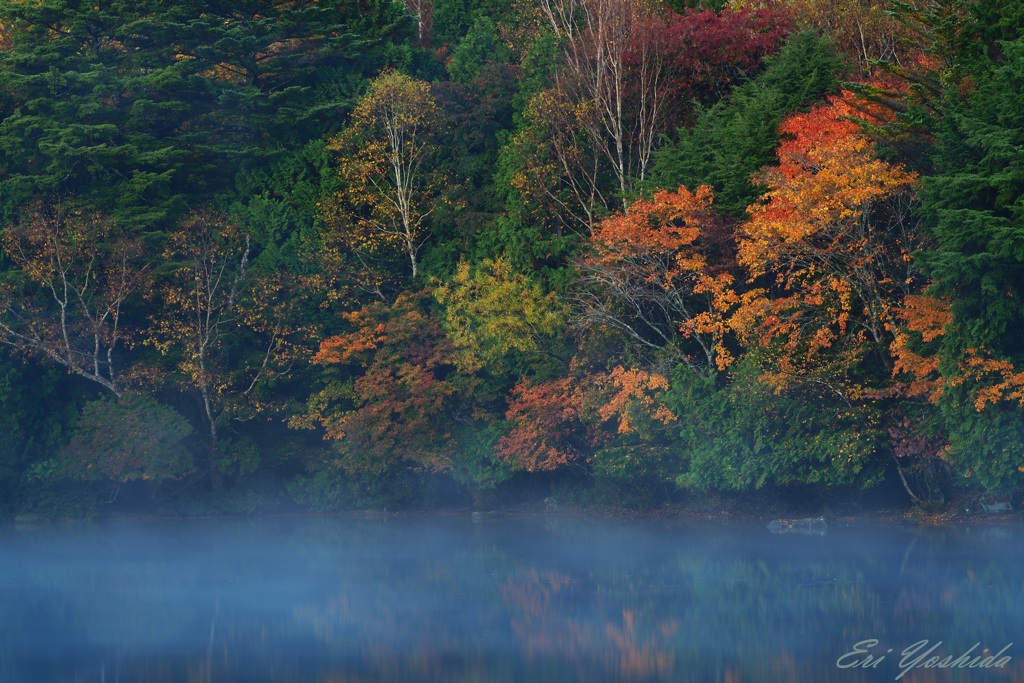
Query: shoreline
{"type": "Point", "coordinates": [908, 518]}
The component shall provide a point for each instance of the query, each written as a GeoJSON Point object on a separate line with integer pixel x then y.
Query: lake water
{"type": "Point", "coordinates": [524, 599]}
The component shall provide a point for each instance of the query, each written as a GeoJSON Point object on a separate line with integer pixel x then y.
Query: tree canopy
{"type": "Point", "coordinates": [455, 252]}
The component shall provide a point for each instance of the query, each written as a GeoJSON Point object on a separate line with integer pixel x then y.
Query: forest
{"type": "Point", "coordinates": [263, 255]}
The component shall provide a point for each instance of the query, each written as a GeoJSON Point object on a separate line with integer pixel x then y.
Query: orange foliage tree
{"type": "Point", "coordinates": [561, 422]}
{"type": "Point", "coordinates": [832, 238]}
{"type": "Point", "coordinates": [392, 397]}
{"type": "Point", "coordinates": [649, 278]}
{"type": "Point", "coordinates": [924, 320]}
{"type": "Point", "coordinates": [548, 425]}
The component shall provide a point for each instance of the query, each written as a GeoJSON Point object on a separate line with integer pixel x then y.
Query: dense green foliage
{"type": "Point", "coordinates": [143, 109]}
{"type": "Point", "coordinates": [265, 253]}
{"type": "Point", "coordinates": [976, 202]}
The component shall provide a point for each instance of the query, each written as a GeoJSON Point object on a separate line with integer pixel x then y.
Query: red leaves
{"type": "Point", "coordinates": [547, 423]}
{"type": "Point", "coordinates": [705, 51]}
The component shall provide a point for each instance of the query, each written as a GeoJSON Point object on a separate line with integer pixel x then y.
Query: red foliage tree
{"type": "Point", "coordinates": [706, 52]}
{"type": "Point", "coordinates": [563, 421]}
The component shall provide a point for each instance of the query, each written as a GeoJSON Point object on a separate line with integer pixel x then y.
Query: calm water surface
{"type": "Point", "coordinates": [531, 599]}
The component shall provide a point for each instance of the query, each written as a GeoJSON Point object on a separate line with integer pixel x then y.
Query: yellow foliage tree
{"type": "Point", "coordinates": [390, 181]}
{"type": "Point", "coordinates": [492, 311]}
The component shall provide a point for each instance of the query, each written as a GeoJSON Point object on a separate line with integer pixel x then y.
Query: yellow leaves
{"type": "Point", "coordinates": [906, 361]}
{"type": "Point", "coordinates": [832, 232]}
{"type": "Point", "coordinates": [85, 267]}
{"type": "Point", "coordinates": [389, 179]}
{"type": "Point", "coordinates": [394, 99]}
{"type": "Point", "coordinates": [493, 311]}
{"type": "Point", "coordinates": [211, 296]}
{"type": "Point", "coordinates": [992, 380]}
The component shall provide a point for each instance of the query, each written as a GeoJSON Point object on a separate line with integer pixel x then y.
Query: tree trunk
{"type": "Point", "coordinates": [216, 479]}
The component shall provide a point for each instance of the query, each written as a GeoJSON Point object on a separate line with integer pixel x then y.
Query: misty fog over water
{"type": "Point", "coordinates": [516, 598]}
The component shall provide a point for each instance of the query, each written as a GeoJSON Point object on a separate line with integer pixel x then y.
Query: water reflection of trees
{"type": "Point", "coordinates": [715, 610]}
{"type": "Point", "coordinates": [449, 600]}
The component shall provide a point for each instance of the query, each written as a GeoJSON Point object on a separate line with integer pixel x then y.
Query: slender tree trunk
{"type": "Point", "coordinates": [412, 258]}
{"type": "Point", "coordinates": [216, 479]}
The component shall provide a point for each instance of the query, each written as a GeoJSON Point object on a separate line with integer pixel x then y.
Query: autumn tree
{"type": "Point", "coordinates": [491, 311]}
{"type": "Point", "coordinates": [399, 394]}
{"type": "Point", "coordinates": [549, 429]}
{"type": "Point", "coordinates": [732, 140]}
{"type": "Point", "coordinates": [554, 167]}
{"type": "Point", "coordinates": [601, 40]}
{"type": "Point", "coordinates": [625, 59]}
{"type": "Point", "coordinates": [73, 273]}
{"type": "Point", "coordinates": [648, 278]}
{"type": "Point", "coordinates": [629, 73]}
{"type": "Point", "coordinates": [832, 237]}
{"type": "Point", "coordinates": [866, 31]}
{"type": "Point", "coordinates": [211, 307]}
{"type": "Point", "coordinates": [393, 406]}
{"type": "Point", "coordinates": [567, 421]}
{"type": "Point", "coordinates": [390, 183]}
{"type": "Point", "coordinates": [709, 51]}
